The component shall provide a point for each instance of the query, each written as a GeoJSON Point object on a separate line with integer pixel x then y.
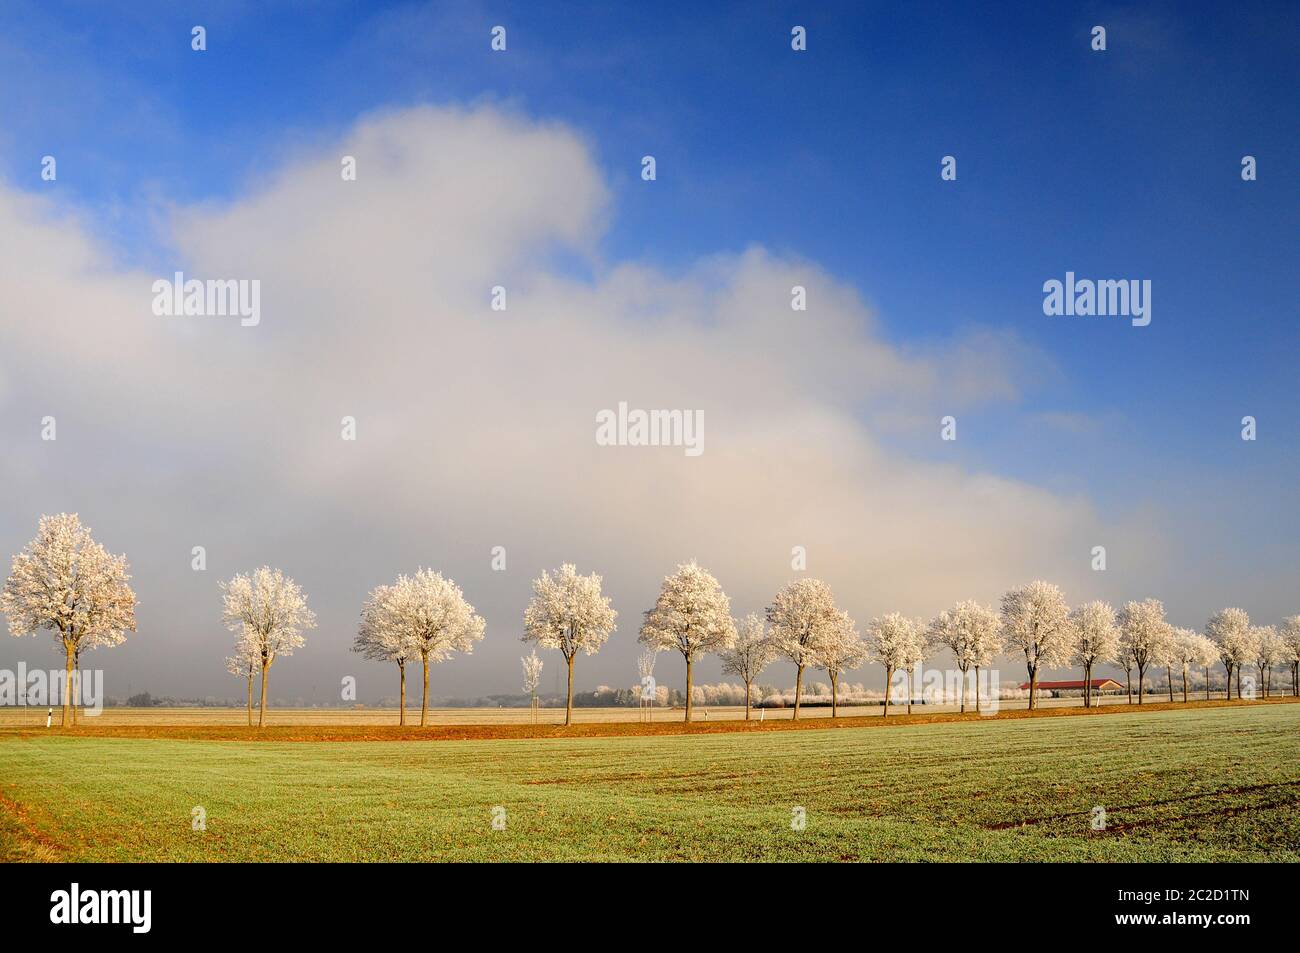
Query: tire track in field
{"type": "Point", "coordinates": [41, 845]}
{"type": "Point", "coordinates": [1217, 792]}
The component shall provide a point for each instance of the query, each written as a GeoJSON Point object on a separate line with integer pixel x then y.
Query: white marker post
{"type": "Point", "coordinates": [49, 716]}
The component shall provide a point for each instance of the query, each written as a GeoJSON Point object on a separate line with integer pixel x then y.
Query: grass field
{"type": "Point", "coordinates": [1204, 784]}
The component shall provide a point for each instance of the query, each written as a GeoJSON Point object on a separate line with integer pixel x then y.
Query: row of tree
{"type": "Point", "coordinates": [426, 617]}
{"type": "Point", "coordinates": [65, 582]}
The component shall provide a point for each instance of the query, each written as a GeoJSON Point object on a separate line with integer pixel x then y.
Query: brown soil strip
{"type": "Point", "coordinates": [484, 732]}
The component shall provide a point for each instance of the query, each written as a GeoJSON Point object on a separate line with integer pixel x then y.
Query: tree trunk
{"type": "Point", "coordinates": [798, 690]}
{"type": "Point", "coordinates": [1128, 684]}
{"type": "Point", "coordinates": [401, 715]}
{"type": "Point", "coordinates": [1087, 685]}
{"type": "Point", "coordinates": [76, 685]}
{"type": "Point", "coordinates": [424, 693]}
{"type": "Point", "coordinates": [1169, 674]}
{"type": "Point", "coordinates": [835, 680]}
{"type": "Point", "coordinates": [1184, 686]}
{"type": "Point", "coordinates": [1207, 683]}
{"type": "Point", "coordinates": [977, 690]}
{"type": "Point", "coordinates": [250, 696]}
{"type": "Point", "coordinates": [1033, 687]}
{"type": "Point", "coordinates": [747, 684]}
{"type": "Point", "coordinates": [1238, 683]}
{"type": "Point", "coordinates": [689, 679]}
{"type": "Point", "coordinates": [424, 696]}
{"type": "Point", "coordinates": [909, 691]}
{"type": "Point", "coordinates": [261, 711]}
{"type": "Point", "coordinates": [67, 686]}
{"type": "Point", "coordinates": [889, 678]}
{"type": "Point", "coordinates": [1142, 674]}
{"type": "Point", "coordinates": [1228, 684]}
{"type": "Point", "coordinates": [568, 705]}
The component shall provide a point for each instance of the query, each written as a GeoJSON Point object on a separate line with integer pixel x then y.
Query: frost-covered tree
{"type": "Point", "coordinates": [945, 631]}
{"type": "Point", "coordinates": [1207, 656]}
{"type": "Point", "coordinates": [1036, 621]}
{"type": "Point", "coordinates": [1244, 650]}
{"type": "Point", "coordinates": [1242, 647]}
{"type": "Point", "coordinates": [917, 653]}
{"type": "Point", "coordinates": [839, 649]}
{"type": "Point", "coordinates": [799, 615]}
{"type": "Point", "coordinates": [68, 584]}
{"type": "Point", "coordinates": [268, 608]}
{"type": "Point", "coordinates": [532, 665]}
{"type": "Point", "coordinates": [1146, 634]}
{"type": "Point", "coordinates": [384, 636]}
{"type": "Point", "coordinates": [1188, 650]}
{"type": "Point", "coordinates": [432, 614]}
{"type": "Point", "coordinates": [1124, 659]}
{"type": "Point", "coordinates": [992, 643]}
{"type": "Point", "coordinates": [1096, 640]}
{"type": "Point", "coordinates": [1268, 651]}
{"type": "Point", "coordinates": [569, 613]}
{"type": "Point", "coordinates": [891, 641]}
{"type": "Point", "coordinates": [1230, 630]}
{"type": "Point", "coordinates": [752, 652]}
{"type": "Point", "coordinates": [645, 668]}
{"type": "Point", "coordinates": [972, 633]}
{"type": "Point", "coordinates": [245, 664]}
{"type": "Point", "coordinates": [692, 616]}
{"type": "Point", "coordinates": [1290, 635]}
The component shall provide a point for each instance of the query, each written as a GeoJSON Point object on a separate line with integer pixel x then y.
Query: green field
{"type": "Point", "coordinates": [1200, 784]}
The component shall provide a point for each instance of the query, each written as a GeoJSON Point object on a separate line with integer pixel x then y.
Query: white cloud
{"type": "Point", "coordinates": [476, 428]}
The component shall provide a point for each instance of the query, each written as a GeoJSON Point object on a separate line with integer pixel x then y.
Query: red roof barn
{"type": "Point", "coordinates": [1098, 685]}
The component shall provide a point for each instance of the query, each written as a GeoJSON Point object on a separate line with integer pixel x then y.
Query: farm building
{"type": "Point", "coordinates": [1078, 685]}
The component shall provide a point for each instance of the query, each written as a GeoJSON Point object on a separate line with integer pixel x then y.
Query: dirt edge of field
{"type": "Point", "coordinates": [484, 732]}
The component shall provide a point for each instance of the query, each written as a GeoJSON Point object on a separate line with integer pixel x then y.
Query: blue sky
{"type": "Point", "coordinates": [1119, 164]}
{"type": "Point", "coordinates": [1122, 163]}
